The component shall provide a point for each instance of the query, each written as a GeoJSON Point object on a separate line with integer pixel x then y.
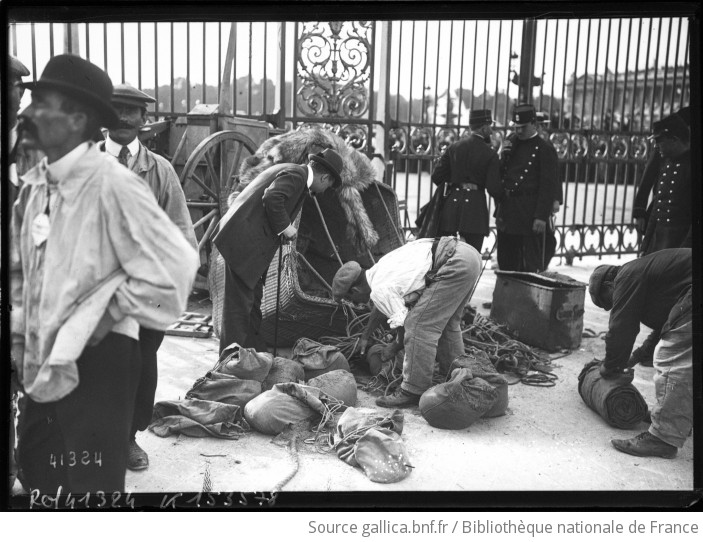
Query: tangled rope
{"type": "Point", "coordinates": [507, 354]}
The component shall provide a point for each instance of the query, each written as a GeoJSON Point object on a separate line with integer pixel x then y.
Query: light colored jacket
{"type": "Point", "coordinates": [106, 223]}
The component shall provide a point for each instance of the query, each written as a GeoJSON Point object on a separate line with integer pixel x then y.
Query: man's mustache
{"type": "Point", "coordinates": [27, 127]}
{"type": "Point", "coordinates": [124, 125]}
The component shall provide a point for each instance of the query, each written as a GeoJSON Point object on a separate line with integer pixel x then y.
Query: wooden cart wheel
{"type": "Point", "coordinates": [209, 176]}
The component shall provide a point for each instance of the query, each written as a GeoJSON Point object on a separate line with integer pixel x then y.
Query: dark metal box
{"type": "Point", "coordinates": [539, 310]}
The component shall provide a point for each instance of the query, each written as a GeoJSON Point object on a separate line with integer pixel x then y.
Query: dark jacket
{"type": "Point", "coordinates": [248, 234]}
{"type": "Point", "coordinates": [529, 178]}
{"type": "Point", "coordinates": [645, 291]}
{"type": "Point", "coordinates": [649, 178]}
{"type": "Point", "coordinates": [670, 220]}
{"type": "Point", "coordinates": [470, 160]}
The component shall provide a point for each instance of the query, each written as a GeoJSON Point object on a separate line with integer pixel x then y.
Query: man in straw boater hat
{"type": "Point", "coordinates": [529, 174]}
{"type": "Point", "coordinates": [256, 224]}
{"type": "Point", "coordinates": [123, 143]}
{"type": "Point", "coordinates": [655, 290]}
{"type": "Point", "coordinates": [93, 257]}
{"type": "Point", "coordinates": [469, 167]}
{"type": "Point", "coordinates": [435, 278]}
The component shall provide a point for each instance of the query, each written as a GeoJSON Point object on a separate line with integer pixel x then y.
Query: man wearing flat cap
{"type": "Point", "coordinates": [464, 172]}
{"type": "Point", "coordinates": [529, 177]}
{"type": "Point", "coordinates": [260, 219]}
{"type": "Point", "coordinates": [668, 218]}
{"type": "Point", "coordinates": [93, 258]}
{"type": "Point", "coordinates": [123, 143]}
{"type": "Point", "coordinates": [654, 290]}
{"type": "Point", "coordinates": [421, 289]}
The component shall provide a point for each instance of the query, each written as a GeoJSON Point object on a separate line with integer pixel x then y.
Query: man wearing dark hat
{"type": "Point", "coordinates": [93, 258]}
{"type": "Point", "coordinates": [469, 167]}
{"type": "Point", "coordinates": [421, 289]}
{"type": "Point", "coordinates": [122, 142]}
{"type": "Point", "coordinates": [529, 174]}
{"type": "Point", "coordinates": [656, 291]}
{"type": "Point", "coordinates": [256, 224]}
{"type": "Point", "coordinates": [668, 218]}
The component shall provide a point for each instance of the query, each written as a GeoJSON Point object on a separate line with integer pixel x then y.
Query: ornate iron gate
{"type": "Point", "coordinates": [405, 88]}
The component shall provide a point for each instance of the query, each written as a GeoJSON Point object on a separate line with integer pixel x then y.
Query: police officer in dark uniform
{"type": "Point", "coordinates": [529, 175]}
{"type": "Point", "coordinates": [670, 220]}
{"type": "Point", "coordinates": [469, 167]}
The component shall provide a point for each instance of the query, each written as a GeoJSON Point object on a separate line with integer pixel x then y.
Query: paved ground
{"type": "Point", "coordinates": [549, 440]}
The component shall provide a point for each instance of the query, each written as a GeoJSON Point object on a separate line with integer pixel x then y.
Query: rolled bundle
{"type": "Point", "coordinates": [619, 403]}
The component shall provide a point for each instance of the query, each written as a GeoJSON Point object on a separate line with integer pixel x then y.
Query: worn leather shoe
{"type": "Point", "coordinates": [137, 459]}
{"type": "Point", "coordinates": [645, 445]}
{"type": "Point", "coordinates": [398, 399]}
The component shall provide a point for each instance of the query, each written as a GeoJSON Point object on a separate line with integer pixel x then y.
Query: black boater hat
{"type": "Point", "coordinates": [77, 78]}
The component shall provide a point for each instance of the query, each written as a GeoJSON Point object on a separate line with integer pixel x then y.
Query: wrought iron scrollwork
{"type": "Point", "coordinates": [334, 67]}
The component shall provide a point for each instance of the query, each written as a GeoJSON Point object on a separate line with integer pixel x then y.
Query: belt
{"type": "Point", "coordinates": [468, 186]}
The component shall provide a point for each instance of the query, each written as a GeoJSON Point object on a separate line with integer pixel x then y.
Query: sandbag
{"type": "Point", "coordinates": [283, 370]}
{"type": "Point", "coordinates": [197, 418]}
{"type": "Point", "coordinates": [339, 384]}
{"type": "Point", "coordinates": [317, 358]}
{"type": "Point", "coordinates": [245, 363]}
{"type": "Point", "coordinates": [617, 401]}
{"type": "Point", "coordinates": [480, 366]}
{"type": "Point", "coordinates": [458, 403]}
{"type": "Point", "coordinates": [284, 405]}
{"type": "Point", "coordinates": [382, 455]}
{"type": "Point", "coordinates": [224, 388]}
{"type": "Point", "coordinates": [371, 441]}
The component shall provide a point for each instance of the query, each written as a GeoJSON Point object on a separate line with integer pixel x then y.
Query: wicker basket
{"type": "Point", "coordinates": [306, 307]}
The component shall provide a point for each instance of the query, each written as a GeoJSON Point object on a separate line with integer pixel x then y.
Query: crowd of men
{"type": "Point", "coordinates": [103, 258]}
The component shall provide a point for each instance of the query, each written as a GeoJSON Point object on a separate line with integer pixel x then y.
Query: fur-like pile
{"type": "Point", "coordinates": [294, 147]}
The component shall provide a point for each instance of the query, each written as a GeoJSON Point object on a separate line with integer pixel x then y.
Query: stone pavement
{"type": "Point", "coordinates": [549, 439]}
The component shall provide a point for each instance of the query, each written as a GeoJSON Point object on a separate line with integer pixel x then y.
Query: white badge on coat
{"type": "Point", "coordinates": [40, 229]}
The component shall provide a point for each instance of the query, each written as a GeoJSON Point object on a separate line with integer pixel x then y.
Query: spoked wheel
{"type": "Point", "coordinates": [209, 176]}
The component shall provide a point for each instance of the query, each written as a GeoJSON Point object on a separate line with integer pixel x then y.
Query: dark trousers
{"type": "Point", "coordinates": [241, 313]}
{"type": "Point", "coordinates": [149, 342]}
{"type": "Point", "coordinates": [473, 239]}
{"type": "Point", "coordinates": [79, 443]}
{"type": "Point", "coordinates": [520, 252]}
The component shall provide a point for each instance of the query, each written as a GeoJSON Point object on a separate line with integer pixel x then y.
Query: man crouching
{"type": "Point", "coordinates": [438, 276]}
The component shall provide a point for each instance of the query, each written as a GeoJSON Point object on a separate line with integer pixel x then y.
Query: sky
{"type": "Point", "coordinates": [467, 54]}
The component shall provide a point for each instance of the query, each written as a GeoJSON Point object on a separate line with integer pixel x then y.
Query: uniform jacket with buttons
{"type": "Point", "coordinates": [670, 221]}
{"type": "Point", "coordinates": [247, 235]}
{"type": "Point", "coordinates": [529, 178]}
{"type": "Point", "coordinates": [470, 160]}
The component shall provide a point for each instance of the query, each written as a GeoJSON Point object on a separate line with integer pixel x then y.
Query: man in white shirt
{"type": "Point", "coordinates": [123, 143]}
{"type": "Point", "coordinates": [92, 259]}
{"type": "Point", "coordinates": [436, 279]}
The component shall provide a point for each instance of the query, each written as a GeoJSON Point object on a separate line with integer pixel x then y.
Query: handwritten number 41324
{"type": "Point", "coordinates": [71, 459]}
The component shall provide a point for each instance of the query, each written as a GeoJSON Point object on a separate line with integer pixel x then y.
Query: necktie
{"type": "Point", "coordinates": [123, 157]}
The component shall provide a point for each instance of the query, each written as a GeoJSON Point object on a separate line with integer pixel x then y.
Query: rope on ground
{"type": "Point", "coordinates": [588, 333]}
{"type": "Point", "coordinates": [507, 354]}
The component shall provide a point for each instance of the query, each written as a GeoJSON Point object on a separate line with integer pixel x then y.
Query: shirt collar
{"type": "Point", "coordinates": [60, 169]}
{"type": "Point", "coordinates": [311, 176]}
{"type": "Point", "coordinates": [114, 148]}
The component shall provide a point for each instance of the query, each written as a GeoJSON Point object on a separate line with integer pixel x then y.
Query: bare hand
{"type": "Point", "coordinates": [639, 224]}
{"type": "Point", "coordinates": [539, 226]}
{"type": "Point", "coordinates": [555, 206]}
{"type": "Point", "coordinates": [290, 233]}
{"type": "Point", "coordinates": [362, 345]}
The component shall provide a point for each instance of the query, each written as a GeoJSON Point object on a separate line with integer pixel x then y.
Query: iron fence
{"type": "Point", "coordinates": [405, 88]}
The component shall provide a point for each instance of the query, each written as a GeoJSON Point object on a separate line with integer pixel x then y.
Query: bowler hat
{"type": "Point", "coordinates": [332, 162]}
{"type": "Point", "coordinates": [17, 68]}
{"type": "Point", "coordinates": [479, 117]}
{"type": "Point", "coordinates": [523, 114]}
{"type": "Point", "coordinates": [344, 279]}
{"type": "Point", "coordinates": [77, 78]}
{"type": "Point", "coordinates": [128, 95]}
{"type": "Point", "coordinates": [671, 126]}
